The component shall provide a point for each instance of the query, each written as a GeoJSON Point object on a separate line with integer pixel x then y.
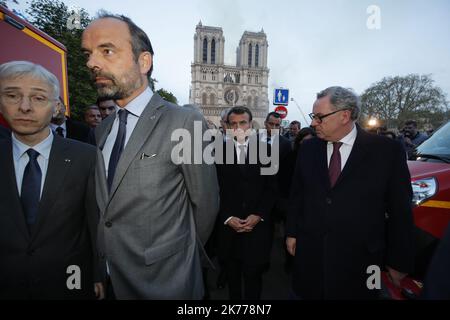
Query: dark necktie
{"type": "Point", "coordinates": [31, 187]}
{"type": "Point", "coordinates": [59, 131]}
{"type": "Point", "coordinates": [118, 146]}
{"type": "Point", "coordinates": [334, 170]}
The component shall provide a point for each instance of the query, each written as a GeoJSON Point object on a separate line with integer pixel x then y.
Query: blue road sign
{"type": "Point", "coordinates": [281, 97]}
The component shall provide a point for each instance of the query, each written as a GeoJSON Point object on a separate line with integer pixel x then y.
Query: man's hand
{"type": "Point", "coordinates": [408, 142]}
{"type": "Point", "coordinates": [99, 290]}
{"type": "Point", "coordinates": [291, 244]}
{"type": "Point", "coordinates": [396, 276]}
{"type": "Point", "coordinates": [251, 221]}
{"type": "Point", "coordinates": [237, 224]}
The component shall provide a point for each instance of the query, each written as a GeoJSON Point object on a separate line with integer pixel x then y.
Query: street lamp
{"type": "Point", "coordinates": [373, 122]}
{"type": "Point", "coordinates": [298, 107]}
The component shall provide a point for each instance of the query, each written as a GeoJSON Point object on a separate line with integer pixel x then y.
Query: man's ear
{"type": "Point", "coordinates": [347, 116]}
{"type": "Point", "coordinates": [57, 109]}
{"type": "Point", "coordinates": [145, 62]}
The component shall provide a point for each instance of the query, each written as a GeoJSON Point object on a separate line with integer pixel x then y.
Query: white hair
{"type": "Point", "coordinates": [17, 69]}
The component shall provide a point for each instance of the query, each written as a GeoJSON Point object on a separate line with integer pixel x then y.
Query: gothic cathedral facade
{"type": "Point", "coordinates": [216, 86]}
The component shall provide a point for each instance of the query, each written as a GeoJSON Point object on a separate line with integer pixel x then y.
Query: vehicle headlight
{"type": "Point", "coordinates": [423, 189]}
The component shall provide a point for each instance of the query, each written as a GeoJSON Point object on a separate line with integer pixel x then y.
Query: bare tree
{"type": "Point", "coordinates": [396, 99]}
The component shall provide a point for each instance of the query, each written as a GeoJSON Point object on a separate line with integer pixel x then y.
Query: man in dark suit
{"type": "Point", "coordinates": [246, 198]}
{"type": "Point", "coordinates": [68, 128]}
{"type": "Point", "coordinates": [284, 174]}
{"type": "Point", "coordinates": [48, 212]}
{"type": "Point", "coordinates": [345, 185]}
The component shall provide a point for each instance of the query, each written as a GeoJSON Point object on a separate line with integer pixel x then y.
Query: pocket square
{"type": "Point", "coordinates": [145, 156]}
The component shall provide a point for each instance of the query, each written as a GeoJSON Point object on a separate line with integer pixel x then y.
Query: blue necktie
{"type": "Point", "coordinates": [118, 146]}
{"type": "Point", "coordinates": [31, 187]}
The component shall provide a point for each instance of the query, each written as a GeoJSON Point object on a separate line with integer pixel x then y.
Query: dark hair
{"type": "Point", "coordinates": [139, 39]}
{"type": "Point", "coordinates": [273, 114]}
{"type": "Point", "coordinates": [411, 122]}
{"type": "Point", "coordinates": [302, 134]}
{"type": "Point", "coordinates": [389, 133]}
{"type": "Point", "coordinates": [101, 99]}
{"type": "Point", "coordinates": [296, 122]}
{"type": "Point", "coordinates": [239, 110]}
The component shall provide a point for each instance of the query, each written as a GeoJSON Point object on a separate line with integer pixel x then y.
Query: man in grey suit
{"type": "Point", "coordinates": [155, 214]}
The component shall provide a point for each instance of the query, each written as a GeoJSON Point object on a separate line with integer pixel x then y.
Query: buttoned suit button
{"type": "Point", "coordinates": [108, 224]}
{"type": "Point", "coordinates": [328, 200]}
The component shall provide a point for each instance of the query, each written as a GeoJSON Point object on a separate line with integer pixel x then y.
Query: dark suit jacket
{"type": "Point", "coordinates": [33, 264]}
{"type": "Point", "coordinates": [4, 132]}
{"type": "Point", "coordinates": [244, 191]}
{"type": "Point", "coordinates": [78, 131]}
{"type": "Point", "coordinates": [284, 177]}
{"type": "Point", "coordinates": [341, 231]}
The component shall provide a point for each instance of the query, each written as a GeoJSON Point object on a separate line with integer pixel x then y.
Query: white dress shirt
{"type": "Point", "coordinates": [238, 145]}
{"type": "Point", "coordinates": [63, 126]}
{"type": "Point", "coordinates": [347, 145]}
{"type": "Point", "coordinates": [21, 158]}
{"type": "Point", "coordinates": [135, 108]}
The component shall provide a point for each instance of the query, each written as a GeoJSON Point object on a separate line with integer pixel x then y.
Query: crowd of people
{"type": "Point", "coordinates": [115, 206]}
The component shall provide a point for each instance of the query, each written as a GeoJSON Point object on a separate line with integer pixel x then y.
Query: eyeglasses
{"type": "Point", "coordinates": [36, 101]}
{"type": "Point", "coordinates": [319, 119]}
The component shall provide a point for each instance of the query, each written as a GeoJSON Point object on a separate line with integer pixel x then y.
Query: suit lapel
{"type": "Point", "coordinates": [101, 135]}
{"type": "Point", "coordinates": [141, 132]}
{"type": "Point", "coordinates": [9, 186]}
{"type": "Point", "coordinates": [322, 163]}
{"type": "Point", "coordinates": [58, 166]}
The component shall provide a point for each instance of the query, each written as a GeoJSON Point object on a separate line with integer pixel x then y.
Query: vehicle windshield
{"type": "Point", "coordinates": [438, 144]}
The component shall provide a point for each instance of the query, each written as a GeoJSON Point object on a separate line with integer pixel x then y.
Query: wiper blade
{"type": "Point", "coordinates": [433, 156]}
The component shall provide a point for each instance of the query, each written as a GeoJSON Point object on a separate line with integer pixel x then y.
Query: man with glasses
{"type": "Point", "coordinates": [345, 184]}
{"type": "Point", "coordinates": [48, 213]}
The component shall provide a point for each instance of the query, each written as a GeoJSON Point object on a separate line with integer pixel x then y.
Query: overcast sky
{"type": "Point", "coordinates": [312, 44]}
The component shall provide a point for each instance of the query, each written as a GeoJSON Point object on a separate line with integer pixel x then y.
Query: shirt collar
{"type": "Point", "coordinates": [241, 144]}
{"type": "Point", "coordinates": [138, 104]}
{"type": "Point", "coordinates": [350, 138]}
{"type": "Point", "coordinates": [43, 147]}
{"type": "Point", "coordinates": [54, 126]}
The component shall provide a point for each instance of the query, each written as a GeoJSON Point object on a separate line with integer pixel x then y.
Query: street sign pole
{"type": "Point", "coordinates": [298, 107]}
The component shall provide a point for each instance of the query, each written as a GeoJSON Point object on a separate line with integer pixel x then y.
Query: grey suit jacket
{"type": "Point", "coordinates": [158, 214]}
